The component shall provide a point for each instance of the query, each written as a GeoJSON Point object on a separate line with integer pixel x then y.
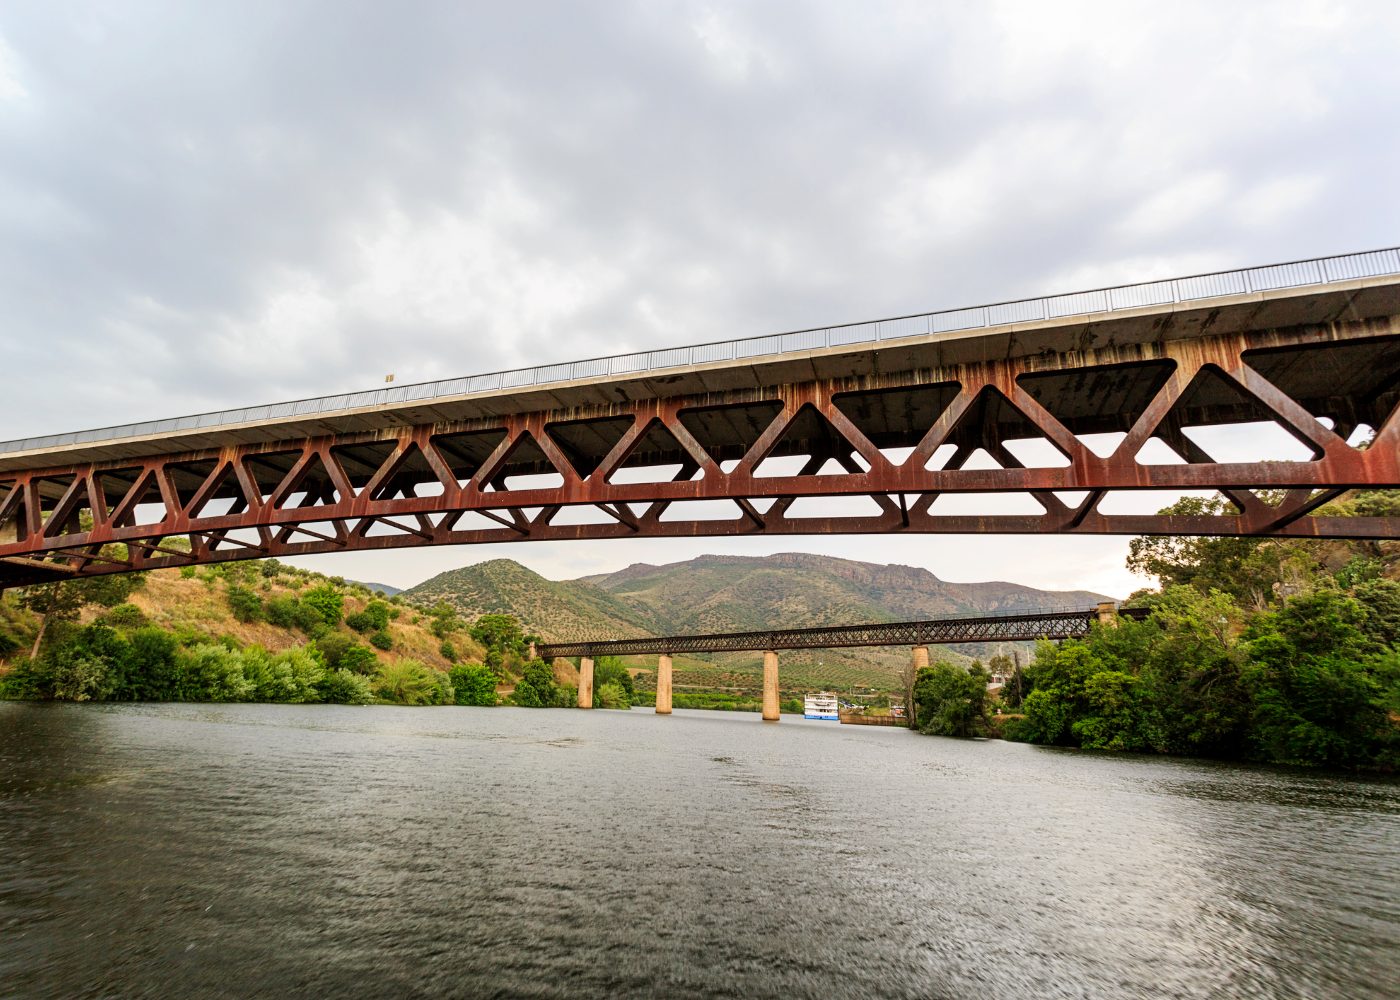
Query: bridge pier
{"type": "Point", "coordinates": [770, 686]}
{"type": "Point", "coordinates": [663, 684]}
{"type": "Point", "coordinates": [585, 682]}
{"type": "Point", "coordinates": [1108, 613]}
{"type": "Point", "coordinates": [920, 659]}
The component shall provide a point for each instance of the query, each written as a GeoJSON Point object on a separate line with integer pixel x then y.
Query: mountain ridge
{"type": "Point", "coordinates": [723, 593]}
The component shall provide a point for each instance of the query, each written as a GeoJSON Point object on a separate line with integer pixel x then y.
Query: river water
{"type": "Point", "coordinates": [261, 850]}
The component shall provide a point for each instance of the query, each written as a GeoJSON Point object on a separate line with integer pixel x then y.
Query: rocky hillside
{"type": "Point", "coordinates": [554, 610]}
{"type": "Point", "coordinates": [729, 593]}
{"type": "Point", "coordinates": [723, 594]}
{"type": "Point", "coordinates": [200, 604]}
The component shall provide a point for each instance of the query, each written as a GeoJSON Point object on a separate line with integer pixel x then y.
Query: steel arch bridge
{"type": "Point", "coordinates": [915, 425]}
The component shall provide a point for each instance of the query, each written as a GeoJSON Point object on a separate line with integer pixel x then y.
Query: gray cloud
{"type": "Point", "coordinates": [212, 205]}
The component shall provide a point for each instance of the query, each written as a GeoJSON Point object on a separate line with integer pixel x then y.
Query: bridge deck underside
{"type": "Point", "coordinates": [755, 461]}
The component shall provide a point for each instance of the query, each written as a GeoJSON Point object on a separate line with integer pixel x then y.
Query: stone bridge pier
{"type": "Point", "coordinates": [770, 686]}
{"type": "Point", "coordinates": [585, 682]}
{"type": "Point", "coordinates": [663, 684]}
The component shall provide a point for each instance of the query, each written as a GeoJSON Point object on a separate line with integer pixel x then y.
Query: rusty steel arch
{"type": "Point", "coordinates": [892, 428]}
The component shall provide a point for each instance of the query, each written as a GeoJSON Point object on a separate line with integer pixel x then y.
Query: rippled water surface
{"type": "Point", "coordinates": [259, 850]}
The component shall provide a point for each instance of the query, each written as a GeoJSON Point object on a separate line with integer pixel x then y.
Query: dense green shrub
{"type": "Point", "coordinates": [951, 701]}
{"type": "Point", "coordinates": [124, 616]}
{"type": "Point", "coordinates": [611, 695]}
{"type": "Point", "coordinates": [282, 611]}
{"type": "Point", "coordinates": [374, 618]}
{"type": "Point", "coordinates": [473, 684]}
{"type": "Point", "coordinates": [326, 601]}
{"type": "Point", "coordinates": [342, 687]}
{"type": "Point", "coordinates": [382, 640]}
{"type": "Point", "coordinates": [412, 682]}
{"type": "Point", "coordinates": [496, 632]}
{"type": "Point", "coordinates": [536, 688]}
{"type": "Point", "coordinates": [214, 673]}
{"type": "Point", "coordinates": [245, 605]}
{"type": "Point", "coordinates": [309, 619]}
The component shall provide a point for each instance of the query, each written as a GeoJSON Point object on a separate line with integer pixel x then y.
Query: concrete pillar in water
{"type": "Point", "coordinates": [1108, 614]}
{"type": "Point", "coordinates": [920, 658]}
{"type": "Point", "coordinates": [585, 682]}
{"type": "Point", "coordinates": [663, 684]}
{"type": "Point", "coordinates": [770, 686]}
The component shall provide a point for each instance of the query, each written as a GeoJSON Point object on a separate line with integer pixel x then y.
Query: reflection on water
{"type": "Point", "coordinates": [259, 850]}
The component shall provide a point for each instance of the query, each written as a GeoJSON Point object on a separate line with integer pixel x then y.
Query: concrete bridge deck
{"type": "Point", "coordinates": [1310, 292]}
{"type": "Point", "coordinates": [737, 437]}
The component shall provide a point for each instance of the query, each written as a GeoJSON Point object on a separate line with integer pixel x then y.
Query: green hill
{"type": "Point", "coordinates": [554, 610]}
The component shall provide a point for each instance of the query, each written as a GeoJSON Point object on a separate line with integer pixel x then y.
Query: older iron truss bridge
{"type": "Point", "coordinates": [1010, 627]}
{"type": "Point", "coordinates": [923, 434]}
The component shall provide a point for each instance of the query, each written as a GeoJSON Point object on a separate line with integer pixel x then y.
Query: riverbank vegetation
{"type": "Point", "coordinates": [1276, 650]}
{"type": "Point", "coordinates": [252, 631]}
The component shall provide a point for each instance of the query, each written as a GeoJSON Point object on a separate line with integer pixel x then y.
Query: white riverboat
{"type": "Point", "coordinates": [821, 705]}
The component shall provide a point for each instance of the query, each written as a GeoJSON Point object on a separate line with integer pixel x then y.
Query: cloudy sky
{"type": "Point", "coordinates": [214, 204]}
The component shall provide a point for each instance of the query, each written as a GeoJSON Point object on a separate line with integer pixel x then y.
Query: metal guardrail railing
{"type": "Point", "coordinates": [1295, 274]}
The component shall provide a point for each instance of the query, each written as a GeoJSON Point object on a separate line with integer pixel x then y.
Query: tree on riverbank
{"type": "Point", "coordinates": [1262, 649]}
{"type": "Point", "coordinates": [951, 701]}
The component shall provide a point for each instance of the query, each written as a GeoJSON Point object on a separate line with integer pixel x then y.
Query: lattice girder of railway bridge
{"type": "Point", "coordinates": [422, 479]}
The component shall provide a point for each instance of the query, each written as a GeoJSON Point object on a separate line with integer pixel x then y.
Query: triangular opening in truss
{"type": "Point", "coordinates": [896, 420]}
{"type": "Point", "coordinates": [809, 508]}
{"type": "Point", "coordinates": [248, 540]}
{"type": "Point", "coordinates": [473, 520]}
{"type": "Point", "coordinates": [186, 478]}
{"type": "Point", "coordinates": [132, 497]}
{"type": "Point", "coordinates": [397, 527]}
{"type": "Point", "coordinates": [702, 510]}
{"type": "Point", "coordinates": [225, 495]}
{"type": "Point", "coordinates": [60, 505]}
{"type": "Point", "coordinates": [312, 486]}
{"type": "Point", "coordinates": [940, 458]}
{"type": "Point", "coordinates": [11, 508]}
{"type": "Point", "coordinates": [1153, 502]}
{"type": "Point", "coordinates": [808, 446]}
{"type": "Point", "coordinates": [992, 424]}
{"type": "Point", "coordinates": [113, 485]}
{"type": "Point", "coordinates": [410, 475]}
{"type": "Point", "coordinates": [465, 453]}
{"type": "Point", "coordinates": [314, 531]}
{"type": "Point", "coordinates": [360, 462]}
{"type": "Point", "coordinates": [728, 432]}
{"type": "Point", "coordinates": [581, 514]}
{"type": "Point", "coordinates": [985, 505]}
{"type": "Point", "coordinates": [585, 443]}
{"type": "Point", "coordinates": [164, 547]}
{"type": "Point", "coordinates": [1101, 403]}
{"type": "Point", "coordinates": [267, 471]}
{"type": "Point", "coordinates": [526, 467]}
{"type": "Point", "coordinates": [1217, 420]}
{"type": "Point", "coordinates": [1346, 384]}
{"type": "Point", "coordinates": [655, 457]}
